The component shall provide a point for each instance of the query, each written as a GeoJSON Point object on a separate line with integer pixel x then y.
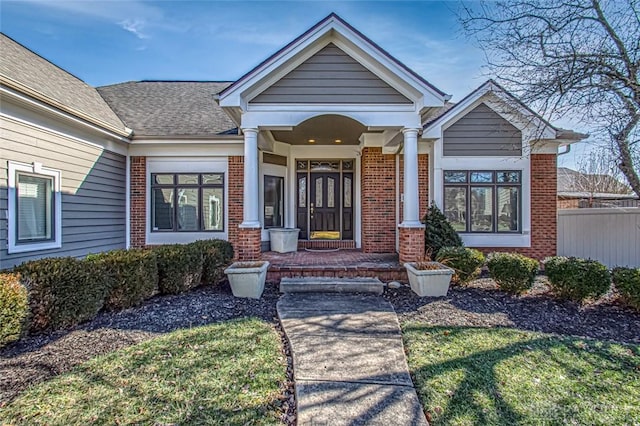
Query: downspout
{"type": "Point", "coordinates": [127, 202]}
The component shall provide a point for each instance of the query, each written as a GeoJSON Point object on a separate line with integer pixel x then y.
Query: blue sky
{"type": "Point", "coordinates": [105, 42]}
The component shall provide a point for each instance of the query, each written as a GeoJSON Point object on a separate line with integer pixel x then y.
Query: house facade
{"type": "Point", "coordinates": [330, 135]}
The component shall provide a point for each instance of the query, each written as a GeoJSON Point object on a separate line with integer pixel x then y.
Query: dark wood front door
{"type": "Point", "coordinates": [324, 206]}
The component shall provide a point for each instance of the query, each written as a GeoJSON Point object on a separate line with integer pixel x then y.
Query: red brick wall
{"type": "Point", "coordinates": [378, 187]}
{"type": "Point", "coordinates": [247, 246]}
{"type": "Point", "coordinates": [423, 183]}
{"type": "Point", "coordinates": [411, 244]}
{"type": "Point", "coordinates": [544, 218]}
{"type": "Point", "coordinates": [236, 197]}
{"type": "Point", "coordinates": [138, 201]}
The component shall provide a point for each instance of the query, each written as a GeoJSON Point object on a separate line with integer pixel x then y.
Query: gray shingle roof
{"type": "Point", "coordinates": [170, 108]}
{"type": "Point", "coordinates": [55, 85]}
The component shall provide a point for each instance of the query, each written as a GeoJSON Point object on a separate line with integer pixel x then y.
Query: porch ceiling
{"type": "Point", "coordinates": [324, 130]}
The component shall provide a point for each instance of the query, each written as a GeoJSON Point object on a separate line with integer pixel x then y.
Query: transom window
{"type": "Point", "coordinates": [482, 201]}
{"type": "Point", "coordinates": [187, 202]}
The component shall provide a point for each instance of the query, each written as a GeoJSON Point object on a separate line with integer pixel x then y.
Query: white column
{"type": "Point", "coordinates": [411, 211]}
{"type": "Point", "coordinates": [251, 202]}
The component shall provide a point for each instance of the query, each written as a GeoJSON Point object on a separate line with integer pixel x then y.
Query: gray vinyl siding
{"type": "Point", "coordinates": [482, 132]}
{"type": "Point", "coordinates": [93, 190]}
{"type": "Point", "coordinates": [331, 76]}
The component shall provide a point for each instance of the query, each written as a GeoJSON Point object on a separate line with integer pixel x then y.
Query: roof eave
{"type": "Point", "coordinates": [19, 87]}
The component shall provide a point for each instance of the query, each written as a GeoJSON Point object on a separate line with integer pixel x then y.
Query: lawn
{"type": "Point", "coordinates": [226, 373]}
{"type": "Point", "coordinates": [501, 376]}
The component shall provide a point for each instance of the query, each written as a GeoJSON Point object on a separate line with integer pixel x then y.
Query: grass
{"type": "Point", "coordinates": [227, 373]}
{"type": "Point", "coordinates": [499, 376]}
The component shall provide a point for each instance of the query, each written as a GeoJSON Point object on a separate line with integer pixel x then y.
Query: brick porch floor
{"type": "Point", "coordinates": [342, 264]}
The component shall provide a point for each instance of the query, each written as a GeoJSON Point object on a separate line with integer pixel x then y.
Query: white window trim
{"type": "Point", "coordinates": [36, 169]}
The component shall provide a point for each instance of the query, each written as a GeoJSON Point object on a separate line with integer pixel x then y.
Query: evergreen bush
{"type": "Point", "coordinates": [513, 272]}
{"type": "Point", "coordinates": [14, 307]}
{"type": "Point", "coordinates": [131, 276]}
{"type": "Point", "coordinates": [63, 292]}
{"type": "Point", "coordinates": [466, 262]}
{"type": "Point", "coordinates": [179, 267]}
{"type": "Point", "coordinates": [577, 279]}
{"type": "Point", "coordinates": [217, 254]}
{"type": "Point", "coordinates": [438, 232]}
{"type": "Point", "coordinates": [627, 281]}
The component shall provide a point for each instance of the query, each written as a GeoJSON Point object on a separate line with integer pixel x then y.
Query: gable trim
{"type": "Point", "coordinates": [332, 27]}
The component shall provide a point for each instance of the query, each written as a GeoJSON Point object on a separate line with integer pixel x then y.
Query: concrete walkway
{"type": "Point", "coordinates": [348, 361]}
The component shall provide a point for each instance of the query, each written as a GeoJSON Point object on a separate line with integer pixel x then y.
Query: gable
{"type": "Point", "coordinates": [482, 132]}
{"type": "Point", "coordinates": [330, 76]}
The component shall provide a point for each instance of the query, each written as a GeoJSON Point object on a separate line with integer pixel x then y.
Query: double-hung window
{"type": "Point", "coordinates": [187, 202]}
{"type": "Point", "coordinates": [34, 207]}
{"type": "Point", "coordinates": [480, 201]}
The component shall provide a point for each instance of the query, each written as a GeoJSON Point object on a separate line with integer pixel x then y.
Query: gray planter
{"type": "Point", "coordinates": [429, 282]}
{"type": "Point", "coordinates": [284, 240]}
{"type": "Point", "coordinates": [247, 278]}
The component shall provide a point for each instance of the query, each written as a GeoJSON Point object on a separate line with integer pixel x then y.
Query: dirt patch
{"type": "Point", "coordinates": [481, 304]}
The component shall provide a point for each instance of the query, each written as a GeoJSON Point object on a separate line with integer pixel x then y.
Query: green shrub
{"type": "Point", "coordinates": [465, 261]}
{"type": "Point", "coordinates": [63, 292]}
{"type": "Point", "coordinates": [14, 307]}
{"type": "Point", "coordinates": [627, 281]}
{"type": "Point", "coordinates": [217, 254]}
{"type": "Point", "coordinates": [131, 276]}
{"type": "Point", "coordinates": [513, 272]}
{"type": "Point", "coordinates": [438, 232]}
{"type": "Point", "coordinates": [577, 279]}
{"type": "Point", "coordinates": [179, 267]}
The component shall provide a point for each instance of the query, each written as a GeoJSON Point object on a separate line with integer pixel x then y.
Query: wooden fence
{"type": "Point", "coordinates": [611, 236]}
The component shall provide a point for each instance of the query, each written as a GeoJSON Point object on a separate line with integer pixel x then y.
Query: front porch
{"type": "Point", "coordinates": [349, 263]}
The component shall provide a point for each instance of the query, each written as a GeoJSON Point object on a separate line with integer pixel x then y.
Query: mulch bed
{"type": "Point", "coordinates": [481, 304]}
{"type": "Point", "coordinates": [38, 358]}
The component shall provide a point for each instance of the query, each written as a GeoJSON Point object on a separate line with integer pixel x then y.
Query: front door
{"type": "Point", "coordinates": [324, 206]}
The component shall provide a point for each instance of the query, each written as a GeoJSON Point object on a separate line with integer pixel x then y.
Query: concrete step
{"type": "Point", "coordinates": [331, 285]}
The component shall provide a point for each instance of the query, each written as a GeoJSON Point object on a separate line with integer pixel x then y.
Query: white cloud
{"type": "Point", "coordinates": [135, 17]}
{"type": "Point", "coordinates": [134, 26]}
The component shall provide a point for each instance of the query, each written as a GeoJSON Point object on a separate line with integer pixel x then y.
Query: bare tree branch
{"type": "Point", "coordinates": [577, 57]}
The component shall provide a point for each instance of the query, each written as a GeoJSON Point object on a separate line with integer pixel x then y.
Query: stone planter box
{"type": "Point", "coordinates": [284, 240]}
{"type": "Point", "coordinates": [429, 282]}
{"type": "Point", "coordinates": [247, 278]}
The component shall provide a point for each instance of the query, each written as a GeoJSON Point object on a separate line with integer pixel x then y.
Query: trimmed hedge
{"type": "Point", "coordinates": [465, 261]}
{"type": "Point", "coordinates": [179, 267]}
{"type": "Point", "coordinates": [438, 232]}
{"type": "Point", "coordinates": [14, 307]}
{"type": "Point", "coordinates": [217, 254]}
{"type": "Point", "coordinates": [131, 276]}
{"type": "Point", "coordinates": [513, 272]}
{"type": "Point", "coordinates": [577, 279]}
{"type": "Point", "coordinates": [627, 281]}
{"type": "Point", "coordinates": [63, 292]}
